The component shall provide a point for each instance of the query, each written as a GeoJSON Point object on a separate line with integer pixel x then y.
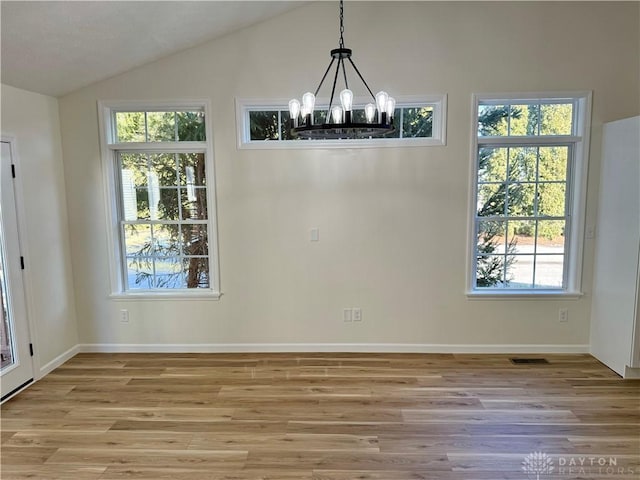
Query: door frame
{"type": "Point", "coordinates": [18, 191]}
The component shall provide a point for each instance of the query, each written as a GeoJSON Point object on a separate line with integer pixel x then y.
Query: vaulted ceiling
{"type": "Point", "coordinates": [56, 47]}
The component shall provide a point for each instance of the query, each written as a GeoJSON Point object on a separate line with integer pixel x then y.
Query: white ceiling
{"type": "Point", "coordinates": [56, 47]}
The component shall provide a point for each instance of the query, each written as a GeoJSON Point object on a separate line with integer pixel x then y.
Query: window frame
{"type": "Point", "coordinates": [439, 125]}
{"type": "Point", "coordinates": [110, 149]}
{"type": "Point", "coordinates": [576, 194]}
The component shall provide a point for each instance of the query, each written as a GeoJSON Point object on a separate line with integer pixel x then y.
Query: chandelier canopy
{"type": "Point", "coordinates": [340, 121]}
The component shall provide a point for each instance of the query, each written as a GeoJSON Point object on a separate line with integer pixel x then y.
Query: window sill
{"type": "Point", "coordinates": [524, 295]}
{"type": "Point", "coordinates": [159, 296]}
{"type": "Point", "coordinates": [361, 143]}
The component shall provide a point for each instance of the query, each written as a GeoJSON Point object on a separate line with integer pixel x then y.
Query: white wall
{"type": "Point", "coordinates": [393, 222]}
{"type": "Point", "coordinates": [32, 119]}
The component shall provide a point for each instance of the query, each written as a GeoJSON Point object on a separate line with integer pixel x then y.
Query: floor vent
{"type": "Point", "coordinates": [529, 361]}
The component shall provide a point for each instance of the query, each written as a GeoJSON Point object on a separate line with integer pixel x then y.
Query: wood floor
{"type": "Point", "coordinates": [322, 417]}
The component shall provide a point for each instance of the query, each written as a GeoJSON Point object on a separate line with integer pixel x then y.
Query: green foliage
{"type": "Point", "coordinates": [492, 120]}
{"type": "Point", "coordinates": [556, 119]}
{"type": "Point", "coordinates": [191, 126]}
{"type": "Point", "coordinates": [264, 125]}
{"type": "Point", "coordinates": [417, 122]}
{"type": "Point", "coordinates": [130, 126]}
{"type": "Point", "coordinates": [491, 263]}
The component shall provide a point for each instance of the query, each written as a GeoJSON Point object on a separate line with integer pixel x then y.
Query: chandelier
{"type": "Point", "coordinates": [340, 121]}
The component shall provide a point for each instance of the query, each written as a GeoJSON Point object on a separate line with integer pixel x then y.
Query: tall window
{"type": "Point", "coordinates": [530, 168]}
{"type": "Point", "coordinates": [159, 164]}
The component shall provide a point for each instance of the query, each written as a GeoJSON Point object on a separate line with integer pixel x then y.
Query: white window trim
{"type": "Point", "coordinates": [245, 105]}
{"type": "Point", "coordinates": [577, 213]}
{"type": "Point", "coordinates": [109, 148]}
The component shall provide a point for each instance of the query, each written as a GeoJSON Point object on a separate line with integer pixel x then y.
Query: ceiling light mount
{"type": "Point", "coordinates": [375, 120]}
{"type": "Point", "coordinates": [341, 53]}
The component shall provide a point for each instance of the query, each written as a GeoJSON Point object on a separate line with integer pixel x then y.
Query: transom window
{"type": "Point", "coordinates": [418, 121]}
{"type": "Point", "coordinates": [159, 162]}
{"type": "Point", "coordinates": [154, 126]}
{"type": "Point", "coordinates": [530, 167]}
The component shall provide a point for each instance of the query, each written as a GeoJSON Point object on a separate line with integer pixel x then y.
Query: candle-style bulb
{"type": "Point", "coordinates": [381, 101]}
{"type": "Point", "coordinates": [391, 107]}
{"type": "Point", "coordinates": [336, 114]}
{"type": "Point", "coordinates": [309, 102]}
{"type": "Point", "coordinates": [346, 98]}
{"type": "Point", "coordinates": [294, 109]}
{"type": "Point", "coordinates": [370, 112]}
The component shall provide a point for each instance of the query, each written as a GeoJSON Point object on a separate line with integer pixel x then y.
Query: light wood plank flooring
{"type": "Point", "coordinates": [322, 417]}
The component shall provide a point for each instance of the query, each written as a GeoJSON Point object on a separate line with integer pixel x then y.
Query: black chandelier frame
{"type": "Point", "coordinates": [346, 128]}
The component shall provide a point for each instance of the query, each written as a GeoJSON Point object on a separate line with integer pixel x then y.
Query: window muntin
{"type": "Point", "coordinates": [525, 200]}
{"type": "Point", "coordinates": [158, 159]}
{"type": "Point", "coordinates": [263, 124]}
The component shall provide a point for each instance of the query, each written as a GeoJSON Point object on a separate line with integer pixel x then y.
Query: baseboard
{"type": "Point", "coordinates": [631, 372]}
{"type": "Point", "coordinates": [59, 360]}
{"type": "Point", "coordinates": [326, 347]}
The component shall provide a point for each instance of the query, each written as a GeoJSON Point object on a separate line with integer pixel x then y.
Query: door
{"type": "Point", "coordinates": [614, 292]}
{"type": "Point", "coordinates": [16, 368]}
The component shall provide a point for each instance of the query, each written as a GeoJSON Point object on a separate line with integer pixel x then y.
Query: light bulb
{"type": "Point", "coordinates": [370, 112]}
{"type": "Point", "coordinates": [336, 114]}
{"type": "Point", "coordinates": [304, 112]}
{"type": "Point", "coordinates": [294, 108]}
{"type": "Point", "coordinates": [381, 101]}
{"type": "Point", "coordinates": [346, 98]}
{"type": "Point", "coordinates": [391, 107]}
{"type": "Point", "coordinates": [309, 102]}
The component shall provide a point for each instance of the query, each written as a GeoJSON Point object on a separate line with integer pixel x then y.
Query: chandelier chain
{"type": "Point", "coordinates": [341, 24]}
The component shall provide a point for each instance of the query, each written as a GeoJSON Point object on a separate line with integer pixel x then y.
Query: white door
{"type": "Point", "coordinates": [16, 369]}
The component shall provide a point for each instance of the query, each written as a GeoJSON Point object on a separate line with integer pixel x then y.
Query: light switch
{"type": "Point", "coordinates": [315, 234]}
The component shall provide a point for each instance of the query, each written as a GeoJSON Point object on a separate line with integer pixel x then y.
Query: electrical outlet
{"type": "Point", "coordinates": [357, 314]}
{"type": "Point", "coordinates": [347, 315]}
{"type": "Point", "coordinates": [124, 316]}
{"type": "Point", "coordinates": [563, 315]}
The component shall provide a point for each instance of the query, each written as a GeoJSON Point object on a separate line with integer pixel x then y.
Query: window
{"type": "Point", "coordinates": [419, 122]}
{"type": "Point", "coordinates": [530, 160]}
{"type": "Point", "coordinates": [159, 171]}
